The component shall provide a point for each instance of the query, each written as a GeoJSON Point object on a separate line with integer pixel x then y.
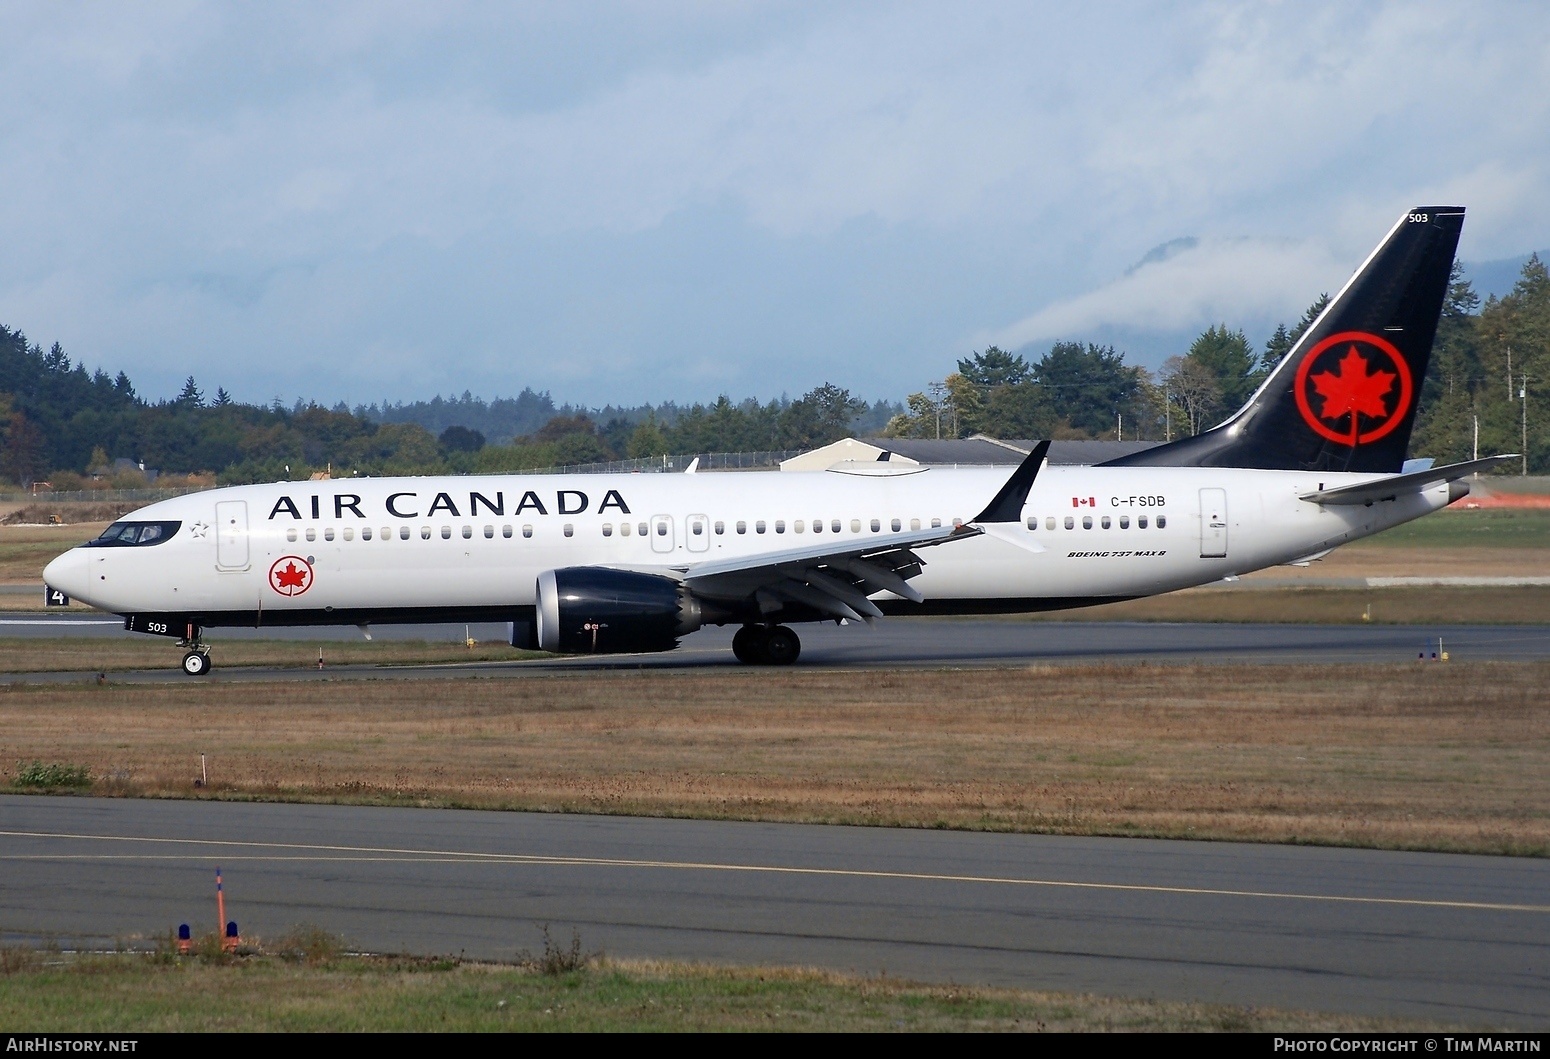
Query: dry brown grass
{"type": "Point", "coordinates": [1438, 756]}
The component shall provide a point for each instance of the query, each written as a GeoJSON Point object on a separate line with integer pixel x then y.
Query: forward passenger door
{"type": "Point", "coordinates": [231, 535]}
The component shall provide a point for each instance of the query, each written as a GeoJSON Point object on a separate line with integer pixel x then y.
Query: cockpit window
{"type": "Point", "coordinates": [134, 534]}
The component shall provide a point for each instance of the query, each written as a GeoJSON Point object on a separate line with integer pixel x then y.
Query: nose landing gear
{"type": "Point", "coordinates": [759, 645]}
{"type": "Point", "coordinates": [196, 663]}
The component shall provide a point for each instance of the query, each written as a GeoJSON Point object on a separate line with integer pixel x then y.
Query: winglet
{"type": "Point", "coordinates": [1007, 506]}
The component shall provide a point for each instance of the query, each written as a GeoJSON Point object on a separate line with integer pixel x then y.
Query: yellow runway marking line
{"type": "Point", "coordinates": [367, 854]}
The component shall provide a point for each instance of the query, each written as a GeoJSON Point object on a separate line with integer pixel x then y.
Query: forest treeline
{"type": "Point", "coordinates": [76, 428]}
{"type": "Point", "coordinates": [1490, 371]}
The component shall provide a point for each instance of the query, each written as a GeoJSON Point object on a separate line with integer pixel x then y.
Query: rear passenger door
{"type": "Point", "coordinates": [1213, 523]}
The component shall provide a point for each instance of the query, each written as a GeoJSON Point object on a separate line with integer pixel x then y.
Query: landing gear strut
{"type": "Point", "coordinates": [759, 645]}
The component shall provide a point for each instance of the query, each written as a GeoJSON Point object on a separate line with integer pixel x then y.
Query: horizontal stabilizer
{"type": "Point", "coordinates": [1402, 484]}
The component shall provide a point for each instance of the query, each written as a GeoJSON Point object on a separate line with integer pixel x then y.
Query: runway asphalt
{"type": "Point", "coordinates": [892, 642]}
{"type": "Point", "coordinates": [1454, 938]}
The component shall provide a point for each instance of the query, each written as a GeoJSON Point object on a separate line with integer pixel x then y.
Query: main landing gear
{"type": "Point", "coordinates": [761, 645]}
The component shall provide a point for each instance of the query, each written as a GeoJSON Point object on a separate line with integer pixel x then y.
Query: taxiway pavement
{"type": "Point", "coordinates": [1455, 938]}
{"type": "Point", "coordinates": [892, 643]}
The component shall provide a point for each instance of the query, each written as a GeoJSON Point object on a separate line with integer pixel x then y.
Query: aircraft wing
{"type": "Point", "coordinates": [1401, 484]}
{"type": "Point", "coordinates": [836, 577]}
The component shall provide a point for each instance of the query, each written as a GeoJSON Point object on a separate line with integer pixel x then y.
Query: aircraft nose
{"type": "Point", "coordinates": [68, 573]}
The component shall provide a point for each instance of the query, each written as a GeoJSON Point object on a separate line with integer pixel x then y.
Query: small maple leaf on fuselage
{"type": "Point", "coordinates": [291, 577]}
{"type": "Point", "coordinates": [1353, 390]}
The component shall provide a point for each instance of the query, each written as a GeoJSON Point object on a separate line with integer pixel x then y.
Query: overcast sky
{"type": "Point", "coordinates": [629, 202]}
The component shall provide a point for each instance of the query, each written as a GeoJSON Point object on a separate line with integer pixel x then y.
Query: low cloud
{"type": "Point", "coordinates": [1200, 283]}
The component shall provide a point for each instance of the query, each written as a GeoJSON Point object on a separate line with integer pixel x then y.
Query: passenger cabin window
{"type": "Point", "coordinates": [780, 525]}
{"type": "Point", "coordinates": [817, 525]}
{"type": "Point", "coordinates": [570, 529]}
{"type": "Point", "coordinates": [387, 533]}
{"type": "Point", "coordinates": [1124, 522]}
{"type": "Point", "coordinates": [834, 527]}
{"type": "Point", "coordinates": [758, 527]}
{"type": "Point", "coordinates": [855, 525]}
{"type": "Point", "coordinates": [1049, 523]}
{"type": "Point", "coordinates": [506, 532]}
{"type": "Point", "coordinates": [697, 527]}
{"type": "Point", "coordinates": [642, 528]}
{"type": "Point", "coordinates": [446, 533]}
{"type": "Point", "coordinates": [403, 533]}
{"type": "Point", "coordinates": [425, 533]}
{"type": "Point", "coordinates": [914, 523]}
{"type": "Point", "coordinates": [1070, 522]}
{"type": "Point", "coordinates": [1162, 521]}
{"type": "Point", "coordinates": [1033, 522]}
{"type": "Point", "coordinates": [799, 525]}
{"type": "Point", "coordinates": [608, 529]}
{"type": "Point", "coordinates": [312, 533]}
{"type": "Point", "coordinates": [527, 531]}
{"type": "Point", "coordinates": [662, 528]}
{"type": "Point", "coordinates": [1087, 522]}
{"type": "Point", "coordinates": [897, 525]}
{"type": "Point", "coordinates": [349, 534]}
{"type": "Point", "coordinates": [1140, 522]}
{"type": "Point", "coordinates": [936, 523]}
{"type": "Point", "coordinates": [624, 529]}
{"type": "Point", "coordinates": [290, 534]}
{"type": "Point", "coordinates": [721, 528]}
{"type": "Point", "coordinates": [468, 531]}
{"type": "Point", "coordinates": [1105, 522]}
{"type": "Point", "coordinates": [489, 533]}
{"type": "Point", "coordinates": [135, 534]}
{"type": "Point", "coordinates": [365, 533]}
{"type": "Point", "coordinates": [328, 534]}
{"type": "Point", "coordinates": [742, 527]}
{"type": "Point", "coordinates": [876, 526]}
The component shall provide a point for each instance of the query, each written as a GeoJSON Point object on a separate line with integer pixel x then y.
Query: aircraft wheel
{"type": "Point", "coordinates": [196, 663]}
{"type": "Point", "coordinates": [748, 644]}
{"type": "Point", "coordinates": [781, 646]}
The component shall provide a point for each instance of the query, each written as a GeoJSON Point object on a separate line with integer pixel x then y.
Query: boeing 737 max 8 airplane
{"type": "Point", "coordinates": [615, 563]}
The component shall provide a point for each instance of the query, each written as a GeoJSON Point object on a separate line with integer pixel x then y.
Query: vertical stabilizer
{"type": "Point", "coordinates": [1345, 397]}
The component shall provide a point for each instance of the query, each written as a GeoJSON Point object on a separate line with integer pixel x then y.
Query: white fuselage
{"type": "Point", "coordinates": [404, 544]}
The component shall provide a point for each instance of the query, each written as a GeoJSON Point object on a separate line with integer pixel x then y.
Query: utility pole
{"type": "Point", "coordinates": [1476, 456]}
{"type": "Point", "coordinates": [1523, 396]}
{"type": "Point", "coordinates": [1509, 373]}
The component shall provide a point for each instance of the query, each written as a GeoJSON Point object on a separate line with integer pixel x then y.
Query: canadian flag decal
{"type": "Point", "coordinates": [1083, 501]}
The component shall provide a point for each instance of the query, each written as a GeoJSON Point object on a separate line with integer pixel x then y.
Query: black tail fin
{"type": "Point", "coordinates": [1345, 397]}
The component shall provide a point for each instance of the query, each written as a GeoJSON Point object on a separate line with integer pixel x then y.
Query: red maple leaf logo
{"type": "Point", "coordinates": [290, 576]}
{"type": "Point", "coordinates": [1353, 390]}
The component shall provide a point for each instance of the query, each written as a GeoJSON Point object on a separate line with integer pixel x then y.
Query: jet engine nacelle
{"type": "Point", "coordinates": [590, 609]}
